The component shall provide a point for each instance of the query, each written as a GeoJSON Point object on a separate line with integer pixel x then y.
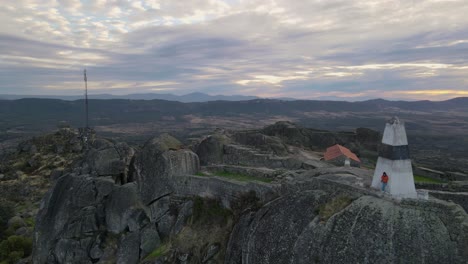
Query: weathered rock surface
{"type": "Point", "coordinates": [128, 247]}
{"type": "Point", "coordinates": [262, 142]}
{"type": "Point", "coordinates": [251, 149]}
{"type": "Point", "coordinates": [160, 159]}
{"type": "Point", "coordinates": [119, 207]}
{"type": "Point", "coordinates": [369, 230]}
{"type": "Point", "coordinates": [211, 149]}
{"type": "Point", "coordinates": [111, 160]}
{"type": "Point", "coordinates": [94, 218]}
{"type": "Point", "coordinates": [64, 214]}
{"type": "Point", "coordinates": [295, 135]}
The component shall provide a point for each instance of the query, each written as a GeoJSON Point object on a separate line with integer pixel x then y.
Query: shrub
{"type": "Point", "coordinates": [15, 248]}
{"type": "Point", "coordinates": [30, 221]}
{"type": "Point", "coordinates": [6, 212]}
{"type": "Point", "coordinates": [209, 211]}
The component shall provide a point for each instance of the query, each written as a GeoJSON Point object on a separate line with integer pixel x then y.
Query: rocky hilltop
{"type": "Point", "coordinates": [259, 196]}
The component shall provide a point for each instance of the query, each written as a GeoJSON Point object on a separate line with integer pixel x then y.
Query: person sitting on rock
{"type": "Point", "coordinates": [384, 180]}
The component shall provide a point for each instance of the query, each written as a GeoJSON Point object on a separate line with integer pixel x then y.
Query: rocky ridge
{"type": "Point", "coordinates": [159, 205]}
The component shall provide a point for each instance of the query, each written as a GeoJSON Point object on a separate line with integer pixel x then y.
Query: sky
{"type": "Point", "coordinates": [321, 49]}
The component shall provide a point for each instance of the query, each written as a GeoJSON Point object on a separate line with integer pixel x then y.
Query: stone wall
{"type": "Point", "coordinates": [250, 171]}
{"type": "Point", "coordinates": [458, 198]}
{"type": "Point", "coordinates": [440, 175]}
{"type": "Point", "coordinates": [452, 187]}
{"type": "Point", "coordinates": [219, 188]}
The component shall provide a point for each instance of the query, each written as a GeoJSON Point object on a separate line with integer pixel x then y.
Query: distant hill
{"type": "Point", "coordinates": [188, 98]}
{"type": "Point", "coordinates": [435, 128]}
{"type": "Point", "coordinates": [31, 112]}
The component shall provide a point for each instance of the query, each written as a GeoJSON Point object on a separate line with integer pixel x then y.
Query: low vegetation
{"type": "Point", "coordinates": [158, 252]}
{"type": "Point", "coordinates": [25, 178]}
{"type": "Point", "coordinates": [334, 206]}
{"type": "Point", "coordinates": [6, 212]}
{"type": "Point", "coordinates": [422, 179]}
{"type": "Point", "coordinates": [210, 224]}
{"type": "Point", "coordinates": [209, 212]}
{"type": "Point", "coordinates": [236, 176]}
{"type": "Point", "coordinates": [15, 248]}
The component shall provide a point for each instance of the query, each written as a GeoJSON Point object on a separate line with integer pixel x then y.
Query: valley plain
{"type": "Point", "coordinates": [436, 130]}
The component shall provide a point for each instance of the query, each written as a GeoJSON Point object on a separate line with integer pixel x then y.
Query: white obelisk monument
{"type": "Point", "coordinates": [395, 161]}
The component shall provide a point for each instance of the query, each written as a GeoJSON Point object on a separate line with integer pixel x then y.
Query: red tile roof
{"type": "Point", "coordinates": [338, 150]}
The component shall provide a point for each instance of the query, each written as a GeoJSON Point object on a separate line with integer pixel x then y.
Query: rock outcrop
{"type": "Point", "coordinates": [252, 149]}
{"type": "Point", "coordinates": [94, 218]}
{"type": "Point", "coordinates": [158, 211]}
{"type": "Point", "coordinates": [295, 135]}
{"type": "Point", "coordinates": [160, 159]}
{"type": "Point", "coordinates": [368, 230]}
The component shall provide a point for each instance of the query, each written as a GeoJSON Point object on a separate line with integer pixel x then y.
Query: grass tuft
{"type": "Point", "coordinates": [422, 179]}
{"type": "Point", "coordinates": [158, 252]}
{"type": "Point", "coordinates": [241, 177]}
{"type": "Point", "coordinates": [334, 206]}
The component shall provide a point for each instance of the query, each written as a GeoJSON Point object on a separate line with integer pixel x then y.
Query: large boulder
{"type": "Point", "coordinates": [372, 230]}
{"type": "Point", "coordinates": [292, 229]}
{"type": "Point", "coordinates": [109, 159]}
{"type": "Point", "coordinates": [80, 214]}
{"type": "Point", "coordinates": [149, 240]}
{"type": "Point", "coordinates": [70, 209]}
{"type": "Point", "coordinates": [269, 236]}
{"type": "Point", "coordinates": [211, 149]}
{"type": "Point", "coordinates": [161, 159]}
{"type": "Point", "coordinates": [129, 248]}
{"type": "Point", "coordinates": [122, 202]}
{"type": "Point", "coordinates": [92, 218]}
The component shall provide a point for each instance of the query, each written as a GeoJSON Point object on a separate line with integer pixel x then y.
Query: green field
{"type": "Point", "coordinates": [422, 179]}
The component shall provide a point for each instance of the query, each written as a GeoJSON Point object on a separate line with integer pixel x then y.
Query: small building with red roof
{"type": "Point", "coordinates": [341, 156]}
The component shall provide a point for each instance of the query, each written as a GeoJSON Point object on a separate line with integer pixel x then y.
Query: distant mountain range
{"type": "Point", "coordinates": [188, 98]}
{"type": "Point", "coordinates": [26, 112]}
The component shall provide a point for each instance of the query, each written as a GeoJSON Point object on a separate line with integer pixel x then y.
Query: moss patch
{"type": "Point", "coordinates": [334, 206]}
{"type": "Point", "coordinates": [158, 252]}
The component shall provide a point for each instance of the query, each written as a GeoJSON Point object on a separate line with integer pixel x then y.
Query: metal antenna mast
{"type": "Point", "coordinates": [86, 101]}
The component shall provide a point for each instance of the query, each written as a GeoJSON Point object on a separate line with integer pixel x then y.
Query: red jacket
{"type": "Point", "coordinates": [384, 178]}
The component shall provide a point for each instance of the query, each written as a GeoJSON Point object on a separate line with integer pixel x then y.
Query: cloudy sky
{"type": "Point", "coordinates": [409, 49]}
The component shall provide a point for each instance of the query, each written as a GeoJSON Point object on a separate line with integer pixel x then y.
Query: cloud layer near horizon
{"type": "Point", "coordinates": [270, 48]}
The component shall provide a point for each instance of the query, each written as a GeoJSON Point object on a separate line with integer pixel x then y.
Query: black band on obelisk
{"type": "Point", "coordinates": [394, 152]}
